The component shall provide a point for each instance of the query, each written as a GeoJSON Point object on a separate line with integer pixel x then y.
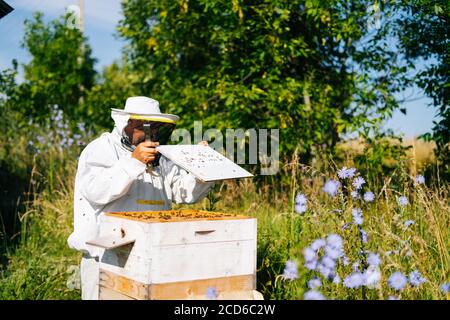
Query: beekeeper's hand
{"type": "Point", "coordinates": [203, 143]}
{"type": "Point", "coordinates": [145, 151]}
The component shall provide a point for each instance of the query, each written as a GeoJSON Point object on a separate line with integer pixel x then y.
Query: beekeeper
{"type": "Point", "coordinates": [112, 176]}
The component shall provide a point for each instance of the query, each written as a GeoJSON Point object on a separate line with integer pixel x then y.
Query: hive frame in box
{"type": "Point", "coordinates": [179, 258]}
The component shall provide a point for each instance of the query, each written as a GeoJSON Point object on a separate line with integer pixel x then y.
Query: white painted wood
{"type": "Point", "coordinates": [194, 232]}
{"type": "Point", "coordinates": [140, 231]}
{"type": "Point", "coordinates": [204, 162]}
{"type": "Point", "coordinates": [203, 261]}
{"type": "Point", "coordinates": [180, 251]}
{"type": "Point", "coordinates": [170, 233]}
{"type": "Point", "coordinates": [133, 267]}
{"type": "Point", "coordinates": [184, 262]}
{"type": "Point", "coordinates": [110, 242]}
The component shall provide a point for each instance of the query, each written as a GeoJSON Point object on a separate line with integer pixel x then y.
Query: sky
{"type": "Point", "coordinates": [100, 21]}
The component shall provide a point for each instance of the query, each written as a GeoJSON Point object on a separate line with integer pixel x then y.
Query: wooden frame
{"type": "Point", "coordinates": [113, 286]}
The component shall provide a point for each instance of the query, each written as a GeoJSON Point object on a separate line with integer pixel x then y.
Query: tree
{"type": "Point", "coordinates": [312, 68]}
{"type": "Point", "coordinates": [423, 30]}
{"type": "Point", "coordinates": [112, 87]}
{"type": "Point", "coordinates": [61, 70]}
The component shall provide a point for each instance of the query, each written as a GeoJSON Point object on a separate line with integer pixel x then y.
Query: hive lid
{"type": "Point", "coordinates": [203, 162]}
{"type": "Point", "coordinates": [110, 242]}
{"type": "Point", "coordinates": [181, 215]}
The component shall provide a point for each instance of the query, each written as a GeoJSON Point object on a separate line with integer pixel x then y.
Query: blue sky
{"type": "Point", "coordinates": [101, 18]}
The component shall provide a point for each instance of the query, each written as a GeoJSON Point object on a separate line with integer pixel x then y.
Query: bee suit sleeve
{"type": "Point", "coordinates": [103, 178]}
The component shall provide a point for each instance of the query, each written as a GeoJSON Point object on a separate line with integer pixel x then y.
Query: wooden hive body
{"type": "Point", "coordinates": [176, 254]}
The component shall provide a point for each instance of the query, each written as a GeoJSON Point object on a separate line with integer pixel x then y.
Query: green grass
{"type": "Point", "coordinates": [282, 235]}
{"type": "Point", "coordinates": [40, 265]}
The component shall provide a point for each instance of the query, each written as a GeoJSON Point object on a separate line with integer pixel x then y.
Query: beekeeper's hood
{"type": "Point", "coordinates": [140, 108]}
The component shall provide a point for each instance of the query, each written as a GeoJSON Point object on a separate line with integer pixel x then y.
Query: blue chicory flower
{"type": "Point", "coordinates": [336, 279]}
{"type": "Point", "coordinates": [420, 179]}
{"type": "Point", "coordinates": [397, 281]}
{"type": "Point", "coordinates": [81, 127]}
{"type": "Point", "coordinates": [345, 173]}
{"type": "Point", "coordinates": [333, 252]}
{"type": "Point", "coordinates": [334, 240]}
{"type": "Point", "coordinates": [345, 260]}
{"type": "Point", "coordinates": [445, 287]}
{"type": "Point", "coordinates": [409, 223]}
{"type": "Point", "coordinates": [416, 279]}
{"type": "Point", "coordinates": [403, 201]}
{"type": "Point", "coordinates": [300, 199]}
{"type": "Point", "coordinates": [313, 295]}
{"type": "Point", "coordinates": [358, 182]}
{"type": "Point", "coordinates": [372, 276]}
{"type": "Point", "coordinates": [357, 216]}
{"type": "Point", "coordinates": [331, 187]}
{"type": "Point", "coordinates": [363, 235]}
{"type": "Point", "coordinates": [355, 280]}
{"type": "Point", "coordinates": [317, 244]}
{"type": "Point", "coordinates": [325, 271]}
{"type": "Point", "coordinates": [300, 208]}
{"type": "Point", "coordinates": [290, 270]}
{"type": "Point", "coordinates": [311, 265]}
{"type": "Point", "coordinates": [314, 283]}
{"type": "Point", "coordinates": [369, 196]}
{"type": "Point", "coordinates": [328, 262]}
{"type": "Point", "coordinates": [211, 293]}
{"type": "Point", "coordinates": [373, 259]}
{"type": "Point", "coordinates": [309, 254]}
{"type": "Point", "coordinates": [40, 139]}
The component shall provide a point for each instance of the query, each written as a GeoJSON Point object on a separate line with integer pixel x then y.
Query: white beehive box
{"type": "Point", "coordinates": [176, 254]}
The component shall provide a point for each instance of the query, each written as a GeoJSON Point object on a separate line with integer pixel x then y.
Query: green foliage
{"type": "Point", "coordinates": [12, 170]}
{"type": "Point", "coordinates": [111, 90]}
{"type": "Point", "coordinates": [36, 208]}
{"type": "Point", "coordinates": [39, 266]}
{"type": "Point", "coordinates": [24, 147]}
{"type": "Point", "coordinates": [423, 29]}
{"type": "Point", "coordinates": [311, 68]}
{"type": "Point", "coordinates": [60, 71]}
{"type": "Point", "coordinates": [383, 155]}
{"type": "Point", "coordinates": [8, 81]}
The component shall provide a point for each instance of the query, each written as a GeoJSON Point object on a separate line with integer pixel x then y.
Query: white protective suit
{"type": "Point", "coordinates": [109, 179]}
